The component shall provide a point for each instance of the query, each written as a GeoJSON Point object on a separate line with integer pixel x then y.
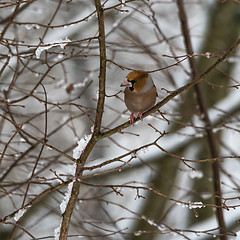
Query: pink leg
{"type": "Point", "coordinates": [132, 118]}
{"type": "Point", "coordinates": [135, 115]}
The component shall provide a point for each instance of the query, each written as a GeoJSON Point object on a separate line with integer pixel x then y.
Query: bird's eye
{"type": "Point", "coordinates": [132, 83]}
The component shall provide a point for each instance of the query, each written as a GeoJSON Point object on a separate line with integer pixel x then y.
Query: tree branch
{"type": "Point", "coordinates": [102, 74]}
{"type": "Point", "coordinates": [98, 120]}
{"type": "Point", "coordinates": [208, 126]}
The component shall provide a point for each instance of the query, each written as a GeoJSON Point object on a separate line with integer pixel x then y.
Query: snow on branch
{"type": "Point", "coordinates": [61, 43]}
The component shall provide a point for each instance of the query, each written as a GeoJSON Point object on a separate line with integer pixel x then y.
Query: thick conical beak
{"type": "Point", "coordinates": [126, 83]}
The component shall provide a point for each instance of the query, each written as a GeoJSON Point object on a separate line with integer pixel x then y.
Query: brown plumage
{"type": "Point", "coordinates": [140, 93]}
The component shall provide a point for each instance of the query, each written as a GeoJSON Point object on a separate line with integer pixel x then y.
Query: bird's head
{"type": "Point", "coordinates": [137, 81]}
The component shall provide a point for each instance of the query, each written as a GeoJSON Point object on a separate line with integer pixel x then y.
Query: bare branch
{"type": "Point", "coordinates": [208, 126]}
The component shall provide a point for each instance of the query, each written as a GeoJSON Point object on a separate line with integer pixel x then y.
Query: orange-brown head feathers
{"type": "Point", "coordinates": [138, 79]}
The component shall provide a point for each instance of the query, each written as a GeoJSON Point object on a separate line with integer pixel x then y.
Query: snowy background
{"type": "Point", "coordinates": [133, 187]}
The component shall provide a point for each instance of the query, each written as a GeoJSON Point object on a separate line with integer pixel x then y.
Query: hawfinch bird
{"type": "Point", "coordinates": [140, 93]}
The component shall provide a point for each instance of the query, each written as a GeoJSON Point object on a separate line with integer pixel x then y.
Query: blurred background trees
{"type": "Point", "coordinates": [151, 180]}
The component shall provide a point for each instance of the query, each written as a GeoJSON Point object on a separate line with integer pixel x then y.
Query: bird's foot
{"type": "Point", "coordinates": [133, 116]}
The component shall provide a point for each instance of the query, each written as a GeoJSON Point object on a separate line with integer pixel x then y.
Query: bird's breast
{"type": "Point", "coordinates": [139, 102]}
